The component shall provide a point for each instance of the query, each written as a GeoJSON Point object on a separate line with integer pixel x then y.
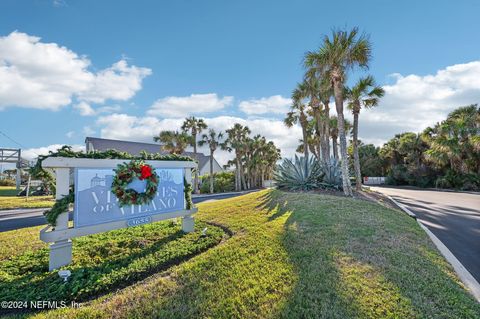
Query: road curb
{"type": "Point", "coordinates": [465, 276]}
{"type": "Point", "coordinates": [222, 194]}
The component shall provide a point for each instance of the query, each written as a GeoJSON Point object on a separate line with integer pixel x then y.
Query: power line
{"type": "Point", "coordinates": [19, 144]}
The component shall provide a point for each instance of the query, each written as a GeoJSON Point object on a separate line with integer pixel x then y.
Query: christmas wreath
{"type": "Point", "coordinates": [125, 174]}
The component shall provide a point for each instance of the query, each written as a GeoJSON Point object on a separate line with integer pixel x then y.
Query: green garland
{"type": "Point", "coordinates": [125, 174]}
{"type": "Point", "coordinates": [61, 205]}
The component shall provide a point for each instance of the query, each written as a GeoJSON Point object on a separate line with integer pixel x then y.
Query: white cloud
{"type": "Point", "coordinates": [182, 106]}
{"type": "Point", "coordinates": [119, 82]}
{"type": "Point", "coordinates": [414, 102]}
{"type": "Point", "coordinates": [70, 134]}
{"type": "Point", "coordinates": [39, 75]}
{"type": "Point", "coordinates": [84, 109]}
{"type": "Point", "coordinates": [142, 129]}
{"type": "Point", "coordinates": [88, 131]}
{"type": "Point", "coordinates": [33, 153]}
{"type": "Point", "coordinates": [273, 104]}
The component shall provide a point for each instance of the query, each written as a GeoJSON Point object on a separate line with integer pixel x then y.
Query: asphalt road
{"type": "Point", "coordinates": [20, 218]}
{"type": "Point", "coordinates": [453, 217]}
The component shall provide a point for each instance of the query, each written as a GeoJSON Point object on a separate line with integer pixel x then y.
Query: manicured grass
{"type": "Point", "coordinates": [101, 262]}
{"type": "Point", "coordinates": [9, 200]}
{"type": "Point", "coordinates": [8, 191]}
{"type": "Point", "coordinates": [298, 256]}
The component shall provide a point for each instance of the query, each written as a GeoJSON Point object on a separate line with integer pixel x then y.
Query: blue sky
{"type": "Point", "coordinates": [225, 53]}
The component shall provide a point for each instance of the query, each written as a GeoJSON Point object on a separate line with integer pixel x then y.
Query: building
{"type": "Point", "coordinates": [134, 148]}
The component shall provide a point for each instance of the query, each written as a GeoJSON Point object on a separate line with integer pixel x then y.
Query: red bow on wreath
{"type": "Point", "coordinates": [146, 172]}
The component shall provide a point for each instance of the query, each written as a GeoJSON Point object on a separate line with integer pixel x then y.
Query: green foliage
{"type": "Point", "coordinates": [103, 262]}
{"type": "Point", "coordinates": [371, 163]}
{"type": "Point", "coordinates": [60, 206]}
{"type": "Point", "coordinates": [124, 174]}
{"type": "Point", "coordinates": [445, 156]}
{"type": "Point", "coordinates": [332, 174]}
{"type": "Point", "coordinates": [7, 182]}
{"type": "Point", "coordinates": [222, 182]}
{"type": "Point", "coordinates": [300, 174]}
{"type": "Point", "coordinates": [458, 181]}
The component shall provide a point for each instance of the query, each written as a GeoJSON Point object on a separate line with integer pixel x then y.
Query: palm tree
{"type": "Point", "coordinates": [236, 139]}
{"type": "Point", "coordinates": [311, 88]}
{"type": "Point", "coordinates": [173, 142]}
{"type": "Point", "coordinates": [297, 115]}
{"type": "Point", "coordinates": [364, 94]}
{"type": "Point", "coordinates": [194, 126]}
{"type": "Point", "coordinates": [212, 139]}
{"type": "Point", "coordinates": [334, 59]}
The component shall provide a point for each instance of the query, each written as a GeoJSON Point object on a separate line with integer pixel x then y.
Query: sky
{"type": "Point", "coordinates": [129, 69]}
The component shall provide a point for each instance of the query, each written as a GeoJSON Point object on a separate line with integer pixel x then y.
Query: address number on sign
{"type": "Point", "coordinates": [139, 221]}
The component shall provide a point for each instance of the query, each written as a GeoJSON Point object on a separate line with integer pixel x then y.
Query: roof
{"type": "Point", "coordinates": [134, 148]}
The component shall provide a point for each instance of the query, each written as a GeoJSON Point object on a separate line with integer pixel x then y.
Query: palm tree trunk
{"type": "Point", "coordinates": [305, 147]}
{"type": "Point", "coordinates": [356, 158]}
{"type": "Point", "coordinates": [338, 89]}
{"type": "Point", "coordinates": [195, 187]}
{"type": "Point", "coordinates": [319, 122]}
{"type": "Point", "coordinates": [237, 174]}
{"type": "Point", "coordinates": [242, 177]}
{"type": "Point", "coordinates": [327, 129]}
{"type": "Point", "coordinates": [211, 172]}
{"type": "Point", "coordinates": [335, 148]}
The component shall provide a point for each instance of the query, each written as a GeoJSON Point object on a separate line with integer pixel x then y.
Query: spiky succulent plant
{"type": "Point", "coordinates": [331, 174]}
{"type": "Point", "coordinates": [299, 174]}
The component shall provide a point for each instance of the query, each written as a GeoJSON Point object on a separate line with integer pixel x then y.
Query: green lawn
{"type": "Point", "coordinates": [9, 200]}
{"type": "Point", "coordinates": [292, 256]}
{"type": "Point", "coordinates": [8, 191]}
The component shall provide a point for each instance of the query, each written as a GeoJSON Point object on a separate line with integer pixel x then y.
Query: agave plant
{"type": "Point", "coordinates": [331, 174]}
{"type": "Point", "coordinates": [299, 174]}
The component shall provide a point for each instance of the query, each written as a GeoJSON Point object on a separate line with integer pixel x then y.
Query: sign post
{"type": "Point", "coordinates": [96, 209]}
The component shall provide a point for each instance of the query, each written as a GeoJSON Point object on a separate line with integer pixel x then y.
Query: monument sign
{"type": "Point", "coordinates": [96, 208]}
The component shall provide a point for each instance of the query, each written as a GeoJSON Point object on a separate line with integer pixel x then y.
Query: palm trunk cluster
{"type": "Point", "coordinates": [255, 158]}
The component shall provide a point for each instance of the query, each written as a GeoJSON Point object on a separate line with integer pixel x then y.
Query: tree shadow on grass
{"type": "Point", "coordinates": [350, 266]}
{"type": "Point", "coordinates": [309, 257]}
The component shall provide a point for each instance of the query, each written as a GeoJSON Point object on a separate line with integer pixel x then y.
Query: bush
{"type": "Point", "coordinates": [458, 181]}
{"type": "Point", "coordinates": [103, 262]}
{"type": "Point", "coordinates": [7, 182]}
{"type": "Point", "coordinates": [299, 174]}
{"type": "Point", "coordinates": [222, 182]}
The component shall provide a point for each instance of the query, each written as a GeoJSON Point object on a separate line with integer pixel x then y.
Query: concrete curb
{"type": "Point", "coordinates": [223, 194]}
{"type": "Point", "coordinates": [465, 276]}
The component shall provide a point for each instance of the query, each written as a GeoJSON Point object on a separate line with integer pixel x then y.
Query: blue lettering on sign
{"type": "Point", "coordinates": [96, 204]}
{"type": "Point", "coordinates": [139, 221]}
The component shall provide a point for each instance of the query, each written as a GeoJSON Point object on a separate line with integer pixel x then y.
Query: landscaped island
{"type": "Point", "coordinates": [291, 255]}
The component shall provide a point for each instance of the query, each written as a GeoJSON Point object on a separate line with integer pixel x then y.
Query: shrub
{"type": "Point", "coordinates": [7, 182]}
{"type": "Point", "coordinates": [299, 174]}
{"type": "Point", "coordinates": [458, 181]}
{"type": "Point", "coordinates": [222, 182]}
{"type": "Point", "coordinates": [104, 262]}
